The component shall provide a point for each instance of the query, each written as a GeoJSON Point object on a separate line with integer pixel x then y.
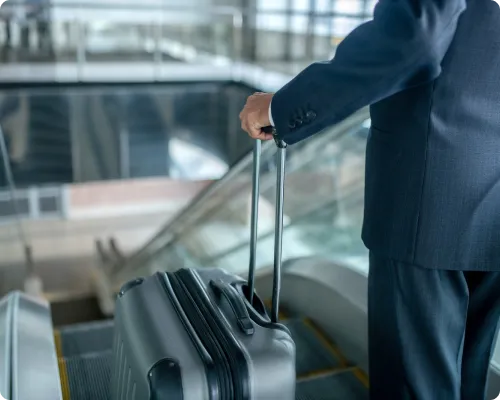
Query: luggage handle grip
{"type": "Point", "coordinates": [237, 305]}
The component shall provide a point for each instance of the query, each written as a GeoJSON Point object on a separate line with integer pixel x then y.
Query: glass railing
{"type": "Point", "coordinates": [114, 132]}
{"type": "Point", "coordinates": [323, 209]}
{"type": "Point", "coordinates": [156, 32]}
{"type": "Point", "coordinates": [90, 32]}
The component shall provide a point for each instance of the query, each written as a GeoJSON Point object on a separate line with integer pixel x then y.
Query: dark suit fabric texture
{"type": "Point", "coordinates": [431, 332]}
{"type": "Point", "coordinates": [430, 72]}
{"type": "Point", "coordinates": [430, 69]}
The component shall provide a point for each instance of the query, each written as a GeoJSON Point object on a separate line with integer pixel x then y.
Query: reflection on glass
{"type": "Point", "coordinates": [323, 209]}
{"type": "Point", "coordinates": [194, 163]}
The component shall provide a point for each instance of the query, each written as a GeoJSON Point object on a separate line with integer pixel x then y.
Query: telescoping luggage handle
{"type": "Point", "coordinates": [278, 229]}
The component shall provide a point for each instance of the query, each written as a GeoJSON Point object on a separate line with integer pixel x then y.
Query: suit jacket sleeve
{"type": "Point", "coordinates": [402, 46]}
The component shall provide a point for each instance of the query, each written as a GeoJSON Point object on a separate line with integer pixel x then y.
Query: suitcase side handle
{"type": "Point", "coordinates": [237, 305]}
{"type": "Point", "coordinates": [278, 230]}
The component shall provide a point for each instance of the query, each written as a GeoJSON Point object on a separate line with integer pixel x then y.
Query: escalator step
{"type": "Point", "coordinates": [86, 338]}
{"type": "Point", "coordinates": [311, 354]}
{"type": "Point", "coordinates": [340, 386]}
{"type": "Point", "coordinates": [88, 376]}
{"type": "Point", "coordinates": [85, 352]}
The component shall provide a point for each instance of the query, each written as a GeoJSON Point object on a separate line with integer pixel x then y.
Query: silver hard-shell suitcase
{"type": "Point", "coordinates": [204, 334]}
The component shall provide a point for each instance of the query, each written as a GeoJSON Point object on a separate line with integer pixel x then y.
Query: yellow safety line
{"type": "Point", "coordinates": [57, 340]}
{"type": "Point", "coordinates": [63, 373]}
{"type": "Point", "coordinates": [358, 372]}
{"type": "Point", "coordinates": [281, 315]}
{"type": "Point", "coordinates": [362, 377]}
{"type": "Point", "coordinates": [333, 348]}
{"type": "Point", "coordinates": [326, 342]}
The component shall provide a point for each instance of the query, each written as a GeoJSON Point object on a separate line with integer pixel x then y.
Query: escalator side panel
{"type": "Point", "coordinates": [5, 344]}
{"type": "Point", "coordinates": [35, 372]}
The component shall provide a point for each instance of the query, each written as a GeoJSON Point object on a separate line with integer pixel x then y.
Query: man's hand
{"type": "Point", "coordinates": [255, 116]}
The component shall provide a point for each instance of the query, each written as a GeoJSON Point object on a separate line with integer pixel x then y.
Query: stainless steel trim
{"type": "Point", "coordinates": [5, 345]}
{"type": "Point", "coordinates": [35, 371]}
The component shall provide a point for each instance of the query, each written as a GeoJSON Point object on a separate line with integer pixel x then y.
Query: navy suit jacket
{"type": "Point", "coordinates": [430, 69]}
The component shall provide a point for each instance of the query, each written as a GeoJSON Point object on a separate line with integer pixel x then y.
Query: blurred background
{"type": "Point", "coordinates": [116, 114]}
{"type": "Point", "coordinates": [121, 154]}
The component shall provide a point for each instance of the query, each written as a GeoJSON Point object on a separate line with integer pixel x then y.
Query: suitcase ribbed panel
{"type": "Point", "coordinates": [87, 338]}
{"type": "Point", "coordinates": [341, 386]}
{"type": "Point", "coordinates": [89, 376]}
{"type": "Point", "coordinates": [311, 355]}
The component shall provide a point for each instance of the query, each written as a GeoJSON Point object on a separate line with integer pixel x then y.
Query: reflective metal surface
{"type": "Point", "coordinates": [5, 344]}
{"type": "Point", "coordinates": [35, 372]}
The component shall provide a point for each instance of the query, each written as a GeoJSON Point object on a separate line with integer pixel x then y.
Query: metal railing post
{"type": "Point", "coordinates": [158, 56]}
{"type": "Point", "coordinates": [80, 48]}
{"type": "Point", "coordinates": [237, 39]}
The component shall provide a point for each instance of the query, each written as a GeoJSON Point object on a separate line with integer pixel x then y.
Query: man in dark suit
{"type": "Point", "coordinates": [430, 69]}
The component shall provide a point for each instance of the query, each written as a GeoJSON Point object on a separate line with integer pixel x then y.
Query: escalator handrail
{"type": "Point", "coordinates": [212, 260]}
{"type": "Point", "coordinates": [168, 233]}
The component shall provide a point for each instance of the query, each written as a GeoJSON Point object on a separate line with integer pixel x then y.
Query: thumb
{"type": "Point", "coordinates": [258, 133]}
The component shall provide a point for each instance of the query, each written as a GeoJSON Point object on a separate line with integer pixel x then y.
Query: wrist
{"type": "Point", "coordinates": [269, 110]}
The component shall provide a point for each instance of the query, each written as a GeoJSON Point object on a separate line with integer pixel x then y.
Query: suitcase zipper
{"type": "Point", "coordinates": [238, 364]}
{"type": "Point", "coordinates": [209, 343]}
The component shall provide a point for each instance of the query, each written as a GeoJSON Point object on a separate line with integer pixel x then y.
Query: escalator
{"type": "Point", "coordinates": [36, 129]}
{"type": "Point", "coordinates": [212, 232]}
{"type": "Point", "coordinates": [327, 321]}
{"type": "Point", "coordinates": [324, 283]}
{"type": "Point", "coordinates": [324, 370]}
{"type": "Point", "coordinates": [148, 137]}
{"type": "Point", "coordinates": [49, 157]}
{"type": "Point", "coordinates": [84, 354]}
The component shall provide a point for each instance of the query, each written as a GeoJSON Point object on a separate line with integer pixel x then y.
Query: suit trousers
{"type": "Point", "coordinates": [431, 332]}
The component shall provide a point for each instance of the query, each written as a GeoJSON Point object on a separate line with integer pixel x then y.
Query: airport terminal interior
{"type": "Point", "coordinates": [122, 155]}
